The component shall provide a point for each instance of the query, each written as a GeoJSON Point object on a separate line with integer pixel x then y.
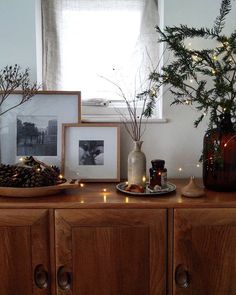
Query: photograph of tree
{"type": "Point", "coordinates": [91, 152]}
{"type": "Point", "coordinates": [36, 136]}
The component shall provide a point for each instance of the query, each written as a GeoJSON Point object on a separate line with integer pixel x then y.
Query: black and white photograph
{"type": "Point", "coordinates": [36, 136]}
{"type": "Point", "coordinates": [91, 152]}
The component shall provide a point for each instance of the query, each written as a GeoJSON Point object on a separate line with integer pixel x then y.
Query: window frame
{"type": "Point", "coordinates": [95, 113]}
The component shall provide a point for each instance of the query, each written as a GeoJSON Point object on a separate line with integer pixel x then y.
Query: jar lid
{"type": "Point", "coordinates": [158, 163]}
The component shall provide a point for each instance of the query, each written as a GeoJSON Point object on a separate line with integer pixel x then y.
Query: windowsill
{"type": "Point", "coordinates": [115, 119]}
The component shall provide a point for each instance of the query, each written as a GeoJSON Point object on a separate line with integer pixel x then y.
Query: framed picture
{"type": "Point", "coordinates": [91, 152]}
{"type": "Point", "coordinates": [35, 128]}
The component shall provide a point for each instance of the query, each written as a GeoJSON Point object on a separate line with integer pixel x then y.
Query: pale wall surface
{"type": "Point", "coordinates": [177, 141]}
{"type": "Point", "coordinates": [17, 34]}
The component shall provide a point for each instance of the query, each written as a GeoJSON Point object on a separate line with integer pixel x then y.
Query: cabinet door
{"type": "Point", "coordinates": [111, 252]}
{"type": "Point", "coordinates": [205, 251]}
{"type": "Point", "coordinates": [24, 252]}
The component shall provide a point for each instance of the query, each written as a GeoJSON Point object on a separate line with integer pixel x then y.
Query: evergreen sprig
{"type": "Point", "coordinates": [206, 77]}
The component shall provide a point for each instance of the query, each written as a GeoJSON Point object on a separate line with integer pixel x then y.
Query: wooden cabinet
{"type": "Point", "coordinates": [95, 243]}
{"type": "Point", "coordinates": [24, 252]}
{"type": "Point", "coordinates": [205, 251]}
{"type": "Point", "coordinates": [103, 252]}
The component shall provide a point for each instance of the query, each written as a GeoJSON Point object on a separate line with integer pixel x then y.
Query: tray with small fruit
{"type": "Point", "coordinates": [146, 191]}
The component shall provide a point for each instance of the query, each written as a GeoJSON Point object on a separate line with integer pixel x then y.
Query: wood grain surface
{"type": "Point", "coordinates": [205, 245]}
{"type": "Point", "coordinates": [92, 195]}
{"type": "Point", "coordinates": [112, 251]}
{"type": "Point", "coordinates": [24, 244]}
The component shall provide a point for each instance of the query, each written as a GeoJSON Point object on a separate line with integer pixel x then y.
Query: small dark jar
{"type": "Point", "coordinates": [158, 174]}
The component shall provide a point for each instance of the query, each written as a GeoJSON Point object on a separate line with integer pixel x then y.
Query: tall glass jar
{"type": "Point", "coordinates": [219, 157]}
{"type": "Point", "coordinates": [137, 165]}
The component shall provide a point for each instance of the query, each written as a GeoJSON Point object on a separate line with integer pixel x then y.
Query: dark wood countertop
{"type": "Point", "coordinates": [92, 196]}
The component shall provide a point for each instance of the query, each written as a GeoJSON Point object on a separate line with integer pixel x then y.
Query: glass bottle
{"type": "Point", "coordinates": [158, 174]}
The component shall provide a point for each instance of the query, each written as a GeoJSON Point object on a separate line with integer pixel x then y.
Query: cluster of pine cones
{"type": "Point", "coordinates": [29, 173]}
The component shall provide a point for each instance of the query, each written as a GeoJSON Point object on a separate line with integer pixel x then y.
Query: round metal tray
{"type": "Point", "coordinates": [148, 192]}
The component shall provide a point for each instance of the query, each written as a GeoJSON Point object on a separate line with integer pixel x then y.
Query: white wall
{"type": "Point", "coordinates": [17, 34]}
{"type": "Point", "coordinates": [177, 142]}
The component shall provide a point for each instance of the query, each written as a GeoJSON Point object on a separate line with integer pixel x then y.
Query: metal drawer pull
{"type": "Point", "coordinates": [64, 278]}
{"type": "Point", "coordinates": [182, 278]}
{"type": "Point", "coordinates": [41, 277]}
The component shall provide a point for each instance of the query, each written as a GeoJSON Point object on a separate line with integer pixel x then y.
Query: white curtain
{"type": "Point", "coordinates": [85, 40]}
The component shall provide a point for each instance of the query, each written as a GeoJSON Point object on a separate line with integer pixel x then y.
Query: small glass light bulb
{"type": "Point", "coordinates": [180, 169]}
{"type": "Point", "coordinates": [81, 184]}
{"type": "Point", "coordinates": [144, 179]}
{"type": "Point", "coordinates": [38, 169]}
{"type": "Point", "coordinates": [60, 176]}
{"type": "Point", "coordinates": [213, 72]}
{"type": "Point", "coordinates": [225, 145]}
{"type": "Point", "coordinates": [198, 165]}
{"type": "Point", "coordinates": [126, 182]}
{"type": "Point", "coordinates": [104, 189]}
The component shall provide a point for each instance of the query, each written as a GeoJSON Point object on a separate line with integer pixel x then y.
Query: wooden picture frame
{"type": "Point", "coordinates": [46, 111]}
{"type": "Point", "coordinates": [91, 152]}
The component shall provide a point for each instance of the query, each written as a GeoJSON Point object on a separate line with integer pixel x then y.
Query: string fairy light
{"type": "Point", "coordinates": [227, 142]}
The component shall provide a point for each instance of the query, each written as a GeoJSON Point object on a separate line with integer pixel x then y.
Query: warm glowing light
{"type": "Point", "coordinates": [104, 198]}
{"type": "Point", "coordinates": [38, 169]}
{"type": "Point", "coordinates": [213, 72]}
{"type": "Point", "coordinates": [82, 201]}
{"type": "Point", "coordinates": [226, 44]}
{"type": "Point", "coordinates": [104, 189]}
{"type": "Point", "coordinates": [191, 80]}
{"type": "Point", "coordinates": [198, 165]}
{"type": "Point", "coordinates": [60, 176]}
{"type": "Point", "coordinates": [81, 184]}
{"type": "Point", "coordinates": [225, 145]}
{"type": "Point", "coordinates": [159, 173]}
{"type": "Point", "coordinates": [180, 169]}
{"type": "Point", "coordinates": [204, 114]}
{"type": "Point", "coordinates": [21, 159]}
{"type": "Point", "coordinates": [126, 200]}
{"type": "Point", "coordinates": [215, 57]}
{"type": "Point", "coordinates": [126, 182]}
{"type": "Point", "coordinates": [224, 109]}
{"type": "Point", "coordinates": [144, 179]}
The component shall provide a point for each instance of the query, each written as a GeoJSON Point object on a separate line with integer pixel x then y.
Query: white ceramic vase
{"type": "Point", "coordinates": [137, 165]}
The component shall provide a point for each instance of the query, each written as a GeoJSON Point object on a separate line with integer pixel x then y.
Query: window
{"type": "Point", "coordinates": [91, 45]}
